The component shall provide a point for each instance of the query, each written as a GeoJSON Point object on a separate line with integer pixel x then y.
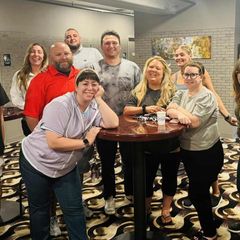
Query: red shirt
{"type": "Point", "coordinates": [45, 87]}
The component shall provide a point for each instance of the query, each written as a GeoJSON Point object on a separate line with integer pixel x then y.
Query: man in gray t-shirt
{"type": "Point", "coordinates": [118, 77]}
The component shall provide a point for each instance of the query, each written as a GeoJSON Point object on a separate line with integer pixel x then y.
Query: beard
{"type": "Point", "coordinates": [64, 69]}
{"type": "Point", "coordinates": [74, 48]}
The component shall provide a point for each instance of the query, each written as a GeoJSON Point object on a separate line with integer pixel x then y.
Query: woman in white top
{"type": "Point", "coordinates": [35, 60]}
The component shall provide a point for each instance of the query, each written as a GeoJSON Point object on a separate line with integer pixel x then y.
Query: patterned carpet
{"type": "Point", "coordinates": [103, 227]}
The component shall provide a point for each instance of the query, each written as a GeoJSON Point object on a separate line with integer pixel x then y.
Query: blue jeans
{"type": "Point", "coordinates": [69, 195]}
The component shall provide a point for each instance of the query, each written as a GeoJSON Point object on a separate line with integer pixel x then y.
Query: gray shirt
{"type": "Point", "coordinates": [62, 116]}
{"type": "Point", "coordinates": [151, 98]}
{"type": "Point", "coordinates": [118, 81]}
{"type": "Point", "coordinates": [85, 57]}
{"type": "Point", "coordinates": [204, 106]}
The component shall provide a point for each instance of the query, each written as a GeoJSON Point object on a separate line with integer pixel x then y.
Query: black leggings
{"type": "Point", "coordinates": [202, 168]}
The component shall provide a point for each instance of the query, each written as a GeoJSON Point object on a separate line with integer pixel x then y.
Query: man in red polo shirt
{"type": "Point", "coordinates": [58, 79]}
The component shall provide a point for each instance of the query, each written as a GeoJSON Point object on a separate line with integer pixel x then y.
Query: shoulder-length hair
{"type": "Point", "coordinates": [26, 68]}
{"type": "Point", "coordinates": [167, 87]}
{"type": "Point", "coordinates": [236, 85]}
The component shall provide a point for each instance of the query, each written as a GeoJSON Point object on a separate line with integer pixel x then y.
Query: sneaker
{"type": "Point", "coordinates": [88, 212]}
{"type": "Point", "coordinates": [54, 228]}
{"type": "Point", "coordinates": [234, 227]}
{"type": "Point", "coordinates": [187, 203]}
{"type": "Point", "coordinates": [215, 200]}
{"type": "Point", "coordinates": [110, 206]}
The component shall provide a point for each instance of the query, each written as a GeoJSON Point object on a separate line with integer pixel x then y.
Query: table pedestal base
{"type": "Point", "coordinates": [9, 211]}
{"type": "Point", "coordinates": [150, 236]}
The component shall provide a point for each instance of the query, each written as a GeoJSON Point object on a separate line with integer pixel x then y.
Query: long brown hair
{"type": "Point", "coordinates": [236, 84]}
{"type": "Point", "coordinates": [26, 68]}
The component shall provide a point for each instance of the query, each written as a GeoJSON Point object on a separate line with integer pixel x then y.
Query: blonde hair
{"type": "Point", "coordinates": [236, 85]}
{"type": "Point", "coordinates": [27, 68]}
{"type": "Point", "coordinates": [167, 87]}
{"type": "Point", "coordinates": [186, 49]}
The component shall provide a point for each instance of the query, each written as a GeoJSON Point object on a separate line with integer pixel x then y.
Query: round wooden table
{"type": "Point", "coordinates": [12, 113]}
{"type": "Point", "coordinates": [137, 132]}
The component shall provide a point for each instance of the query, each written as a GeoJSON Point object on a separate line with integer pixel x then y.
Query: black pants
{"type": "Point", "coordinates": [169, 163]}
{"type": "Point", "coordinates": [107, 151]}
{"type": "Point", "coordinates": [202, 168]}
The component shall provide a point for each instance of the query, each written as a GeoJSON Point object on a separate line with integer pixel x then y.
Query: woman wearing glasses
{"type": "Point", "coordinates": [201, 148]}
{"type": "Point", "coordinates": [183, 55]}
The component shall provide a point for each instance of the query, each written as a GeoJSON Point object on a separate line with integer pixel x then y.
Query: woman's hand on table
{"type": "Point", "coordinates": [183, 119]}
{"type": "Point", "coordinates": [153, 109]}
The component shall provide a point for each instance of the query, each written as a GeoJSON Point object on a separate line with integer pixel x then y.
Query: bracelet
{"type": "Point", "coordinates": [144, 109]}
{"type": "Point", "coordinates": [227, 118]}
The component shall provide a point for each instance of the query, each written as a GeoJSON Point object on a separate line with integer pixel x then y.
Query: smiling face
{"type": "Point", "coordinates": [36, 56]}
{"type": "Point", "coordinates": [155, 74]}
{"type": "Point", "coordinates": [72, 39]}
{"type": "Point", "coordinates": [87, 89]}
{"type": "Point", "coordinates": [182, 57]}
{"type": "Point", "coordinates": [61, 57]}
{"type": "Point", "coordinates": [111, 46]}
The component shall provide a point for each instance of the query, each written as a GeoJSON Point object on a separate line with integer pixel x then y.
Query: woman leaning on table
{"type": "Point", "coordinates": [183, 55]}
{"type": "Point", "coordinates": [153, 94]}
{"type": "Point", "coordinates": [69, 125]}
{"type": "Point", "coordinates": [201, 148]}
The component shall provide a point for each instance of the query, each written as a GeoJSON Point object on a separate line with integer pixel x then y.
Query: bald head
{"type": "Point", "coordinates": [60, 57]}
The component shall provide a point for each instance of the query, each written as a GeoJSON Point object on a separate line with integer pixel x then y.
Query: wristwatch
{"type": "Point", "coordinates": [86, 142]}
{"type": "Point", "coordinates": [144, 109]}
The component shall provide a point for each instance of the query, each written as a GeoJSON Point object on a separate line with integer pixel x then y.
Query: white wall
{"type": "Point", "coordinates": [206, 14]}
{"type": "Point", "coordinates": [51, 20]}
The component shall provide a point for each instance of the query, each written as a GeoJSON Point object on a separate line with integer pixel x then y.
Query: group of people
{"type": "Point", "coordinates": [67, 101]}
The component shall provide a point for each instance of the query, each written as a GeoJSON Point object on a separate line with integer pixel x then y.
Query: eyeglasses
{"type": "Point", "coordinates": [191, 75]}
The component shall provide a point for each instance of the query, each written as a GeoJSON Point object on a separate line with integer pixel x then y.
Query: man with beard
{"type": "Point", "coordinates": [82, 56]}
{"type": "Point", "coordinates": [58, 79]}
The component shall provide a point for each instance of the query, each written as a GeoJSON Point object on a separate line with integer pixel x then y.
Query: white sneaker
{"type": "Point", "coordinates": [88, 212]}
{"type": "Point", "coordinates": [110, 206]}
{"type": "Point", "coordinates": [54, 228]}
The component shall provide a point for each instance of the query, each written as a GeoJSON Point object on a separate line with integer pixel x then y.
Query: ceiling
{"type": "Point", "coordinates": [127, 7]}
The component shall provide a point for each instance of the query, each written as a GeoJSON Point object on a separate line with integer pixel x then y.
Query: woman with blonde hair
{"type": "Point", "coordinates": [153, 94]}
{"type": "Point", "coordinates": [34, 61]}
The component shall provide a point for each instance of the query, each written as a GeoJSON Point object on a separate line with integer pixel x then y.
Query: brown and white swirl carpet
{"type": "Point", "coordinates": [103, 227]}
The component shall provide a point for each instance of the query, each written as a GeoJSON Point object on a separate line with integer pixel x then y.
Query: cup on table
{"type": "Point", "coordinates": [161, 116]}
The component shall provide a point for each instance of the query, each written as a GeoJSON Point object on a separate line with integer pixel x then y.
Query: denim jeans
{"type": "Point", "coordinates": [69, 195]}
